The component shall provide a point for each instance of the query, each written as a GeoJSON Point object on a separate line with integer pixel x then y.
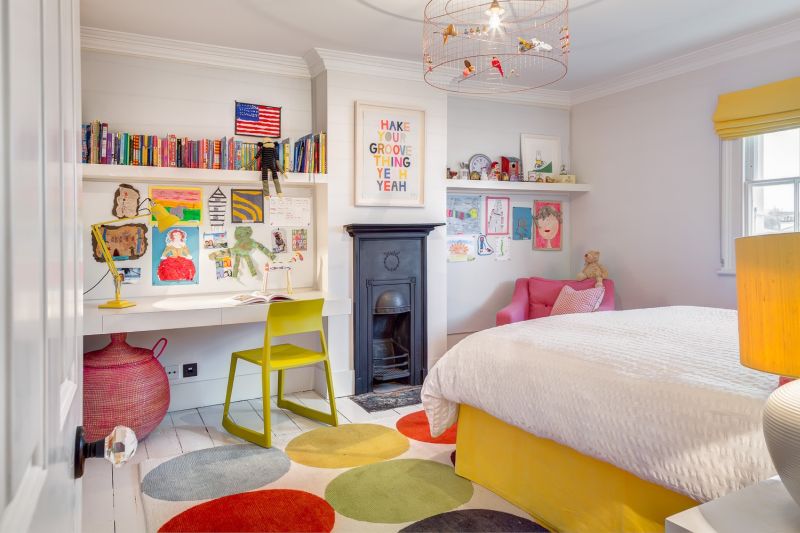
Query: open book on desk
{"type": "Point", "coordinates": [257, 297]}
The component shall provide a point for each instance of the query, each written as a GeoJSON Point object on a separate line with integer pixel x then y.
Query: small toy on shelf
{"type": "Point", "coordinates": [592, 268]}
{"type": "Point", "coordinates": [269, 164]}
{"type": "Point", "coordinates": [494, 172]}
{"type": "Point", "coordinates": [563, 171]}
{"type": "Point", "coordinates": [511, 166]}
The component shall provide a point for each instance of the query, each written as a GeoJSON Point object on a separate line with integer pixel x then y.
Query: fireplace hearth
{"type": "Point", "coordinates": [390, 303]}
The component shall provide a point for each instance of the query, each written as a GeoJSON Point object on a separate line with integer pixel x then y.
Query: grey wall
{"type": "Point", "coordinates": [652, 158]}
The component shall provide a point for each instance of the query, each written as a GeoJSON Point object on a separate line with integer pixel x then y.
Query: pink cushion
{"type": "Point", "coordinates": [542, 294]}
{"type": "Point", "coordinates": [571, 301]}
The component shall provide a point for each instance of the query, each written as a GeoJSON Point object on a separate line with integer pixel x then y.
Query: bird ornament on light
{"type": "Point", "coordinates": [498, 65]}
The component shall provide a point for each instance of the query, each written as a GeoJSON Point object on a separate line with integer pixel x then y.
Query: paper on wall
{"type": "Point", "coordinates": [289, 211]}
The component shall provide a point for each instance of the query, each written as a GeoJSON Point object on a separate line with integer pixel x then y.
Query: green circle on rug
{"type": "Point", "coordinates": [346, 446]}
{"type": "Point", "coordinates": [215, 472]}
{"type": "Point", "coordinates": [402, 490]}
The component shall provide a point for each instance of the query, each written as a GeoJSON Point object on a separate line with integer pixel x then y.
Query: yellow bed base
{"type": "Point", "coordinates": [562, 489]}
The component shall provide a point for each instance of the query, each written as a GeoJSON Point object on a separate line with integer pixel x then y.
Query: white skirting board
{"type": "Point", "coordinates": [344, 382]}
{"type": "Point", "coordinates": [193, 394]}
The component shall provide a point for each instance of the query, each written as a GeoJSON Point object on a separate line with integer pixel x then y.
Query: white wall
{"type": "Point", "coordinates": [477, 290]}
{"type": "Point", "coordinates": [152, 96]}
{"type": "Point", "coordinates": [652, 158]}
{"type": "Point", "coordinates": [343, 90]}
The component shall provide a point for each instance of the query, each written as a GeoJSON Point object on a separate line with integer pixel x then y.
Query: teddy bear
{"type": "Point", "coordinates": [592, 268]}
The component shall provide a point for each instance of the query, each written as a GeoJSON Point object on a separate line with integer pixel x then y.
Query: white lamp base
{"type": "Point", "coordinates": [782, 433]}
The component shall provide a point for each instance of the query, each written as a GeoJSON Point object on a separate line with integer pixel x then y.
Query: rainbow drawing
{"type": "Point", "coordinates": [184, 202]}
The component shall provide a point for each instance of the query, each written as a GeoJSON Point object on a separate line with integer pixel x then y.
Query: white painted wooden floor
{"type": "Point", "coordinates": [111, 501]}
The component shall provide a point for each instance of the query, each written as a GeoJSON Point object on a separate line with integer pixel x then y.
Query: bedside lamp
{"type": "Point", "coordinates": [768, 289]}
{"type": "Point", "coordinates": [164, 220]}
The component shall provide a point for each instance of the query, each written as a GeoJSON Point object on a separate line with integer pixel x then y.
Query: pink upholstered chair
{"type": "Point", "coordinates": [534, 298]}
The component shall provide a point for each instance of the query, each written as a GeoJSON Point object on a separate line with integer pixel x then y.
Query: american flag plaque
{"type": "Point", "coordinates": [258, 120]}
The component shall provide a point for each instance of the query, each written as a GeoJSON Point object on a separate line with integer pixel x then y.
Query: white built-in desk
{"type": "Point", "coordinates": [190, 311]}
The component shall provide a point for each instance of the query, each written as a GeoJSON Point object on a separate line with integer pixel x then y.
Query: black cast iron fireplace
{"type": "Point", "coordinates": [390, 303]}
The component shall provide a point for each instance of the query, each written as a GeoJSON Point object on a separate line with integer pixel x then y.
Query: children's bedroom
{"type": "Point", "coordinates": [382, 266]}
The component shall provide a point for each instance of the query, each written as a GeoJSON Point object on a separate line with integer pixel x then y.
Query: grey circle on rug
{"type": "Point", "coordinates": [474, 521]}
{"type": "Point", "coordinates": [215, 472]}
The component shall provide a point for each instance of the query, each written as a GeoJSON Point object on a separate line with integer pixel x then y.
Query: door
{"type": "Point", "coordinates": [40, 272]}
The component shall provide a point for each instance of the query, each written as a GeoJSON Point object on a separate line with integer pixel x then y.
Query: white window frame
{"type": "Point", "coordinates": [732, 209]}
{"type": "Point", "coordinates": [735, 203]}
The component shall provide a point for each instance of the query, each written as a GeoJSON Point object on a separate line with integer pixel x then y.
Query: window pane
{"type": "Point", "coordinates": [772, 208]}
{"type": "Point", "coordinates": [781, 156]}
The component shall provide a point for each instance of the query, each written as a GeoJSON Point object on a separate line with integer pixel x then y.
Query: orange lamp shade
{"type": "Point", "coordinates": [768, 291]}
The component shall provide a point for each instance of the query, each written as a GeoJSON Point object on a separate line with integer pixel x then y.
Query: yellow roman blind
{"type": "Point", "coordinates": [764, 109]}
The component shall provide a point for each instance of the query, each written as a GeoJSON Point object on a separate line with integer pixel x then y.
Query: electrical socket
{"type": "Point", "coordinates": [172, 372]}
{"type": "Point", "coordinates": [190, 370]}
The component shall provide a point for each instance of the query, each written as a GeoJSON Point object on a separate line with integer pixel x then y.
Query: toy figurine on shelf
{"type": "Point", "coordinates": [563, 171]}
{"type": "Point", "coordinates": [498, 65]}
{"type": "Point", "coordinates": [269, 164]}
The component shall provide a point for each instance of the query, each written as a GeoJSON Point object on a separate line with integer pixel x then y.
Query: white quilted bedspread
{"type": "Point", "coordinates": [657, 392]}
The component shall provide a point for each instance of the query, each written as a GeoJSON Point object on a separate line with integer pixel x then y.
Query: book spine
{"type": "Point", "coordinates": [173, 151]}
{"type": "Point", "coordinates": [135, 150]}
{"type": "Point", "coordinates": [84, 144]}
{"type": "Point", "coordinates": [178, 153]}
{"type": "Point", "coordinates": [217, 154]}
{"type": "Point", "coordinates": [102, 142]}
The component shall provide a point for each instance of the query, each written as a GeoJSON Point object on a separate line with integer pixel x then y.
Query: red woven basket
{"type": "Point", "coordinates": [124, 385]}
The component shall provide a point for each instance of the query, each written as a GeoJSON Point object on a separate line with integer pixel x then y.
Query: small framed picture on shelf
{"type": "Point", "coordinates": [390, 156]}
{"type": "Point", "coordinates": [497, 211]}
{"type": "Point", "coordinates": [541, 156]}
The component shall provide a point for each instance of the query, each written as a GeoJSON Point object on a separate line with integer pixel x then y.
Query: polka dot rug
{"type": "Point", "coordinates": [353, 478]}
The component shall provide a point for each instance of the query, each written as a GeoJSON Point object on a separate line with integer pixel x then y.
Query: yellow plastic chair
{"type": "Point", "coordinates": [284, 318]}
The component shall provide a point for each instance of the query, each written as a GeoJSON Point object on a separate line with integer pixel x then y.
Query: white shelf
{"type": "Point", "coordinates": [516, 186]}
{"type": "Point", "coordinates": [191, 176]}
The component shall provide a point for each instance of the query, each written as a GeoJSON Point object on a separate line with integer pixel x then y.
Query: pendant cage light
{"type": "Point", "coordinates": [495, 46]}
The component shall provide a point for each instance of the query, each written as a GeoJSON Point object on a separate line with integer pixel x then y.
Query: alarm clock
{"type": "Point", "coordinates": [480, 163]}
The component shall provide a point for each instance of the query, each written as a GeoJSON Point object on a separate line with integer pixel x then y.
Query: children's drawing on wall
{"type": "Point", "coordinates": [175, 256]}
{"type": "Point", "coordinates": [130, 275]}
{"type": "Point", "coordinates": [247, 205]}
{"type": "Point", "coordinates": [463, 214]}
{"type": "Point", "coordinates": [498, 215]}
{"type": "Point", "coordinates": [186, 203]}
{"type": "Point", "coordinates": [549, 225]}
{"type": "Point", "coordinates": [279, 241]}
{"type": "Point", "coordinates": [214, 240]}
{"type": "Point", "coordinates": [484, 248]}
{"type": "Point", "coordinates": [460, 248]}
{"type": "Point", "coordinates": [522, 221]}
{"type": "Point", "coordinates": [126, 201]}
{"type": "Point", "coordinates": [502, 247]}
{"type": "Point", "coordinates": [299, 240]}
{"type": "Point", "coordinates": [125, 242]}
{"type": "Point", "coordinates": [223, 264]}
{"type": "Point", "coordinates": [244, 245]}
{"type": "Point", "coordinates": [217, 208]}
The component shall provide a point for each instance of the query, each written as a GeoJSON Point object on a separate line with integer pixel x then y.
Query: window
{"type": "Point", "coordinates": [760, 188]}
{"type": "Point", "coordinates": [772, 182]}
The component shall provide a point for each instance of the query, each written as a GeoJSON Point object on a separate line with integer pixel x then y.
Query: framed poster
{"type": "Point", "coordinates": [498, 212]}
{"type": "Point", "coordinates": [390, 156]}
{"type": "Point", "coordinates": [549, 222]}
{"type": "Point", "coordinates": [541, 156]}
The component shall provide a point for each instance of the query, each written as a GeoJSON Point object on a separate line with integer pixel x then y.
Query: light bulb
{"type": "Point", "coordinates": [494, 21]}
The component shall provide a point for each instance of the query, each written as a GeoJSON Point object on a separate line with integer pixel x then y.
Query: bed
{"type": "Point", "coordinates": [606, 421]}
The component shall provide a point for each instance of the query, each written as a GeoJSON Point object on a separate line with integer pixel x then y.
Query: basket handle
{"type": "Point", "coordinates": [162, 347]}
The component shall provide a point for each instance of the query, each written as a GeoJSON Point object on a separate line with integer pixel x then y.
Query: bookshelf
{"type": "Point", "coordinates": [515, 186]}
{"type": "Point", "coordinates": [191, 176]}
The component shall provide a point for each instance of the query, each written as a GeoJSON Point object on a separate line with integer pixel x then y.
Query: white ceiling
{"type": "Point", "coordinates": [608, 37]}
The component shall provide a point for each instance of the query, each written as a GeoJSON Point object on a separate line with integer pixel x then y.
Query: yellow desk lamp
{"type": "Point", "coordinates": [164, 220]}
{"type": "Point", "coordinates": [768, 290]}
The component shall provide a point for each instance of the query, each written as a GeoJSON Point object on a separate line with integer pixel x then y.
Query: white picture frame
{"type": "Point", "coordinates": [400, 130]}
{"type": "Point", "coordinates": [549, 150]}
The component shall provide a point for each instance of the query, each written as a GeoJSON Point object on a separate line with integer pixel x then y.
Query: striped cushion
{"type": "Point", "coordinates": [571, 301]}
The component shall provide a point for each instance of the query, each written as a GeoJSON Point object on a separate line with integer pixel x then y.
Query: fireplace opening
{"type": "Point", "coordinates": [391, 339]}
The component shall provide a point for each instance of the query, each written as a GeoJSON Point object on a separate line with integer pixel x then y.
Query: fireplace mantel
{"type": "Point", "coordinates": [363, 229]}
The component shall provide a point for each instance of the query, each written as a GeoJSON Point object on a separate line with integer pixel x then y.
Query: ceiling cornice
{"type": "Point", "coordinates": [132, 44]}
{"type": "Point", "coordinates": [752, 43]}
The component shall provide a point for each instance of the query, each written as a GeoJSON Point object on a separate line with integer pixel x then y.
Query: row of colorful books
{"type": "Point", "coordinates": [101, 146]}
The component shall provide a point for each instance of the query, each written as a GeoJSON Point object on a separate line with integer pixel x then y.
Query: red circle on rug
{"type": "Point", "coordinates": [260, 510]}
{"type": "Point", "coordinates": [415, 426]}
